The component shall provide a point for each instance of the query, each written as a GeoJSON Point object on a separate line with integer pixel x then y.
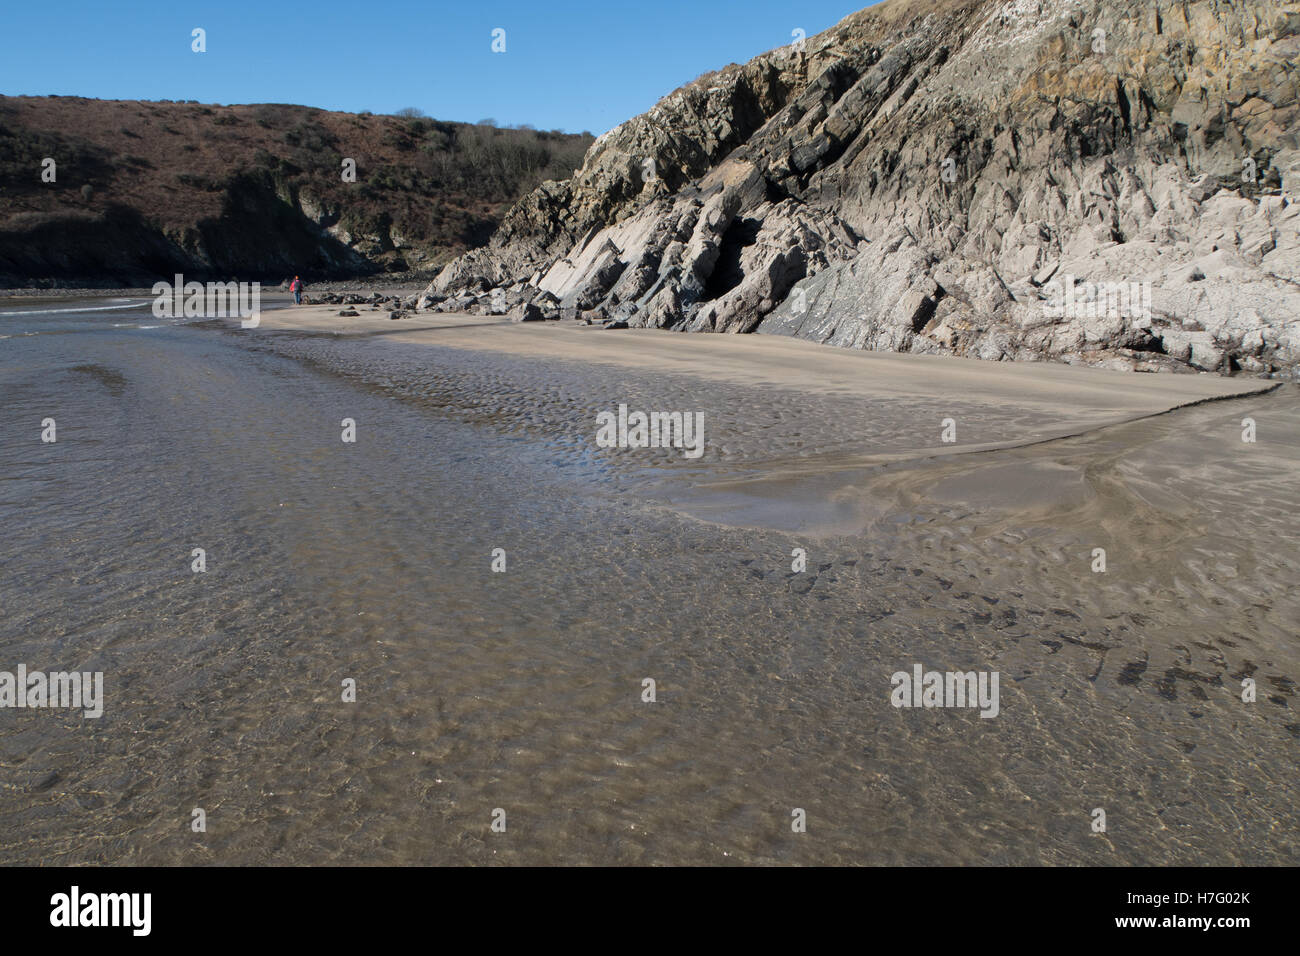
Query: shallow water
{"type": "Point", "coordinates": [522, 690]}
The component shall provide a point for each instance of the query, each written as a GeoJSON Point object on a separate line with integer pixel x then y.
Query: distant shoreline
{"type": "Point", "coordinates": [375, 284]}
{"type": "Point", "coordinates": [795, 363]}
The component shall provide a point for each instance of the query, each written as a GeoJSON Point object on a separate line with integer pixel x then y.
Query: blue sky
{"type": "Point", "coordinates": [569, 64]}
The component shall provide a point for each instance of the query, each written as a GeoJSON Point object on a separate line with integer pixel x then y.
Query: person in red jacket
{"type": "Point", "coordinates": [296, 288]}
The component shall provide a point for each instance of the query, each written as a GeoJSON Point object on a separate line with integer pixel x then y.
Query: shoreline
{"type": "Point", "coordinates": [1105, 395]}
{"type": "Point", "coordinates": [800, 437]}
{"type": "Point", "coordinates": [388, 286]}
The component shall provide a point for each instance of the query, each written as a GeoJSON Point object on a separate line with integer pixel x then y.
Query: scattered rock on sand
{"type": "Point", "coordinates": [531, 312]}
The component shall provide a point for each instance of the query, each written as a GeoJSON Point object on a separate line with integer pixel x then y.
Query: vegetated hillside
{"type": "Point", "coordinates": [986, 178]}
{"type": "Point", "coordinates": [150, 188]}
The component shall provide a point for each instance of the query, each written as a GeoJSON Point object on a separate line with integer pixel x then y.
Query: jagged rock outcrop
{"type": "Point", "coordinates": [1104, 182]}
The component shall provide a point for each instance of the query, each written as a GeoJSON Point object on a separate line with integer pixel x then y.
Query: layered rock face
{"type": "Point", "coordinates": [1102, 182]}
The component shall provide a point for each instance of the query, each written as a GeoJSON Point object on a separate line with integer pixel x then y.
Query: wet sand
{"type": "Point", "coordinates": [844, 414]}
{"type": "Point", "coordinates": [1120, 689]}
{"type": "Point", "coordinates": [1083, 395]}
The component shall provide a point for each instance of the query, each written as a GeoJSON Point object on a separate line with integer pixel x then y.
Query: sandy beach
{"type": "Point", "coordinates": [826, 538]}
{"type": "Point", "coordinates": [1086, 396]}
{"type": "Point", "coordinates": [842, 414]}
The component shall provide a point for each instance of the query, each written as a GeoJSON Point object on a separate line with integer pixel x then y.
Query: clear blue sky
{"type": "Point", "coordinates": [569, 64]}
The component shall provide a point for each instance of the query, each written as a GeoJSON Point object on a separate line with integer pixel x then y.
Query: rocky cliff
{"type": "Point", "coordinates": [1089, 181]}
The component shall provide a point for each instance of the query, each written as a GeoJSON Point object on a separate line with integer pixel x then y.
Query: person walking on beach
{"type": "Point", "coordinates": [296, 288]}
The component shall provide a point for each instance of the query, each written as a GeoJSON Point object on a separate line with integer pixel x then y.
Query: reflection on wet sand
{"type": "Point", "coordinates": [523, 690]}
